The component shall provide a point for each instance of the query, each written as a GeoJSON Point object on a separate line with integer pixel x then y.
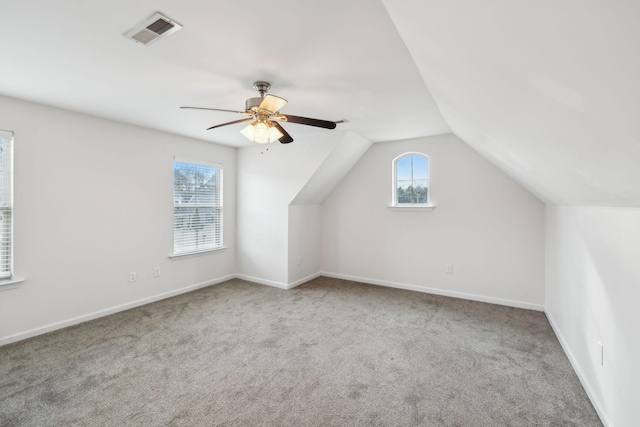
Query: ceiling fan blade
{"type": "Point", "coordinates": [272, 103]}
{"type": "Point", "coordinates": [285, 138]}
{"type": "Point", "coordinates": [307, 121]}
{"type": "Point", "coordinates": [216, 109]}
{"type": "Point", "coordinates": [248, 119]}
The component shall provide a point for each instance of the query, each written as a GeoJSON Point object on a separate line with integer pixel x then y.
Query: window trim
{"type": "Point", "coordinates": [197, 253]}
{"type": "Point", "coordinates": [11, 283]}
{"type": "Point", "coordinates": [413, 207]}
{"type": "Point", "coordinates": [220, 167]}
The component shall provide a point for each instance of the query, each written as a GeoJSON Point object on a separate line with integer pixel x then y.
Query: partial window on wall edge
{"type": "Point", "coordinates": [6, 204]}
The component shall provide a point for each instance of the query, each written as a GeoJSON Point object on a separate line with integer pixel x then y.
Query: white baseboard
{"type": "Point", "coordinates": [262, 281]}
{"type": "Point", "coordinates": [303, 280]}
{"type": "Point", "coordinates": [579, 372]}
{"type": "Point", "coordinates": [436, 291]}
{"type": "Point", "coordinates": [277, 284]}
{"type": "Point", "coordinates": [101, 313]}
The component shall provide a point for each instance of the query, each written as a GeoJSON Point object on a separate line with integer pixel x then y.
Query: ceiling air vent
{"type": "Point", "coordinates": [153, 29]}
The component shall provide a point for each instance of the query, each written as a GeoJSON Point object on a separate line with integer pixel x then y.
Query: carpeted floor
{"type": "Point", "coordinates": [327, 353]}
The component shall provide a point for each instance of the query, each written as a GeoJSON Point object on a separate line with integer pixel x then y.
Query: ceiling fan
{"type": "Point", "coordinates": [263, 112]}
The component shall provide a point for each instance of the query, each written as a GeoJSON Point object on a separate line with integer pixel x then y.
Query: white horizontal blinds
{"type": "Point", "coordinates": [197, 207]}
{"type": "Point", "coordinates": [6, 204]}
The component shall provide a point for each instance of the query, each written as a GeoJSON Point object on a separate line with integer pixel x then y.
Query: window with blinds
{"type": "Point", "coordinates": [197, 207]}
{"type": "Point", "coordinates": [6, 204]}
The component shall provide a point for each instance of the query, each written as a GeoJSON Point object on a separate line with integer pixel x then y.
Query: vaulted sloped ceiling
{"type": "Point", "coordinates": [547, 90]}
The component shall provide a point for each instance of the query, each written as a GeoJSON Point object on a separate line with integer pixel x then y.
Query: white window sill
{"type": "Point", "coordinates": [408, 208]}
{"type": "Point", "coordinates": [12, 283]}
{"type": "Point", "coordinates": [196, 253]}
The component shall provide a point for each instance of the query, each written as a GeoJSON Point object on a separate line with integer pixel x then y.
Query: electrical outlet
{"type": "Point", "coordinates": [299, 261]}
{"type": "Point", "coordinates": [448, 268]}
{"type": "Point", "coordinates": [133, 276]}
{"type": "Point", "coordinates": [156, 271]}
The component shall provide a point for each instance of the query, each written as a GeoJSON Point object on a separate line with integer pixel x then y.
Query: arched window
{"type": "Point", "coordinates": [411, 180]}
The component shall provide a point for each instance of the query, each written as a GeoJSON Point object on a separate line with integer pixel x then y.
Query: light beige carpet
{"type": "Point", "coordinates": [328, 353]}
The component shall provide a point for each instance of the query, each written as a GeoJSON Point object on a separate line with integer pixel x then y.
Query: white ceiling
{"type": "Point", "coordinates": [546, 90]}
{"type": "Point", "coordinates": [332, 59]}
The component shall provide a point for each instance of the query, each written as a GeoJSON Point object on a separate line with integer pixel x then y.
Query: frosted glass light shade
{"type": "Point", "coordinates": [261, 132]}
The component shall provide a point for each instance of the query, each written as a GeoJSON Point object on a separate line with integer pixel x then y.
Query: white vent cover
{"type": "Point", "coordinates": [153, 29]}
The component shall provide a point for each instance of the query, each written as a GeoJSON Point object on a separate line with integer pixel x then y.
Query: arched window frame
{"type": "Point", "coordinates": [395, 203]}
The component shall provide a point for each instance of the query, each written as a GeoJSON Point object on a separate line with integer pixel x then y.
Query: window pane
{"type": "Point", "coordinates": [197, 213]}
{"type": "Point", "coordinates": [404, 192]}
{"type": "Point", "coordinates": [411, 180]}
{"type": "Point", "coordinates": [420, 191]}
{"type": "Point", "coordinates": [420, 167]}
{"type": "Point", "coordinates": [194, 239]}
{"type": "Point", "coordinates": [194, 184]}
{"type": "Point", "coordinates": [403, 169]}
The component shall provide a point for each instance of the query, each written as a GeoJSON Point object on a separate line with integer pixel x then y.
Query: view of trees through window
{"type": "Point", "coordinates": [197, 207]}
{"type": "Point", "coordinates": [412, 179]}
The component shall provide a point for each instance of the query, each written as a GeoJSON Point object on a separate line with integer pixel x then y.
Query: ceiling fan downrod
{"type": "Point", "coordinates": [262, 87]}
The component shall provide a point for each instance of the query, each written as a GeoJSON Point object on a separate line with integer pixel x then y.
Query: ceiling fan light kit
{"type": "Point", "coordinates": [264, 112]}
{"type": "Point", "coordinates": [261, 132]}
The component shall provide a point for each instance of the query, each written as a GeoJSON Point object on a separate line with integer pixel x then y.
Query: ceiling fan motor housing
{"type": "Point", "coordinates": [253, 103]}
